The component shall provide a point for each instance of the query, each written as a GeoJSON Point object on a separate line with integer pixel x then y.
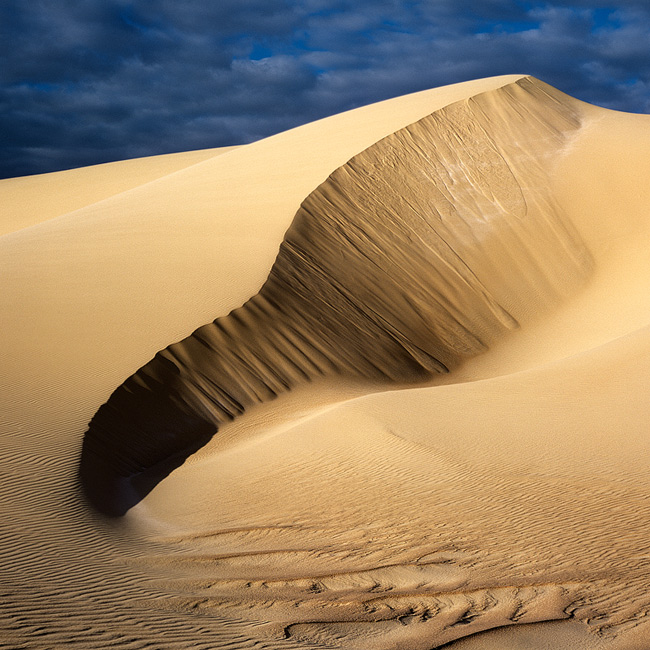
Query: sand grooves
{"type": "Point", "coordinates": [412, 600]}
{"type": "Point", "coordinates": [418, 253]}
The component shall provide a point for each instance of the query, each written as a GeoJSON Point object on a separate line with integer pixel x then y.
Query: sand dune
{"type": "Point", "coordinates": [387, 273]}
{"type": "Point", "coordinates": [33, 199]}
{"type": "Point", "coordinates": [409, 409]}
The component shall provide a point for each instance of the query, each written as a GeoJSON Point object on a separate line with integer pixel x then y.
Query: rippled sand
{"type": "Point", "coordinates": [409, 409]}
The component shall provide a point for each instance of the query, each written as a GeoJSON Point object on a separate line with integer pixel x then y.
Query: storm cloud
{"type": "Point", "coordinates": [89, 81]}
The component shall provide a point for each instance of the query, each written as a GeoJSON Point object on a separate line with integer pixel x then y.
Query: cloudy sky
{"type": "Point", "coordinates": [89, 81]}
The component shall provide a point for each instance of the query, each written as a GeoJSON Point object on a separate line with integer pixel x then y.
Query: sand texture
{"type": "Point", "coordinates": [376, 383]}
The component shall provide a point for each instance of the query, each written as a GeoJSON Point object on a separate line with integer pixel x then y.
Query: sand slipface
{"type": "Point", "coordinates": [388, 272]}
{"type": "Point", "coordinates": [411, 412]}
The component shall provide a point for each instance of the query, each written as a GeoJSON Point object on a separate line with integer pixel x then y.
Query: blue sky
{"type": "Point", "coordinates": [89, 81]}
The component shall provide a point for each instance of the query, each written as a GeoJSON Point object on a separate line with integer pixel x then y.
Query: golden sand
{"type": "Point", "coordinates": [389, 386]}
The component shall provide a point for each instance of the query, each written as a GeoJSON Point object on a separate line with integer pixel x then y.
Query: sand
{"type": "Point", "coordinates": [32, 199]}
{"type": "Point", "coordinates": [424, 423]}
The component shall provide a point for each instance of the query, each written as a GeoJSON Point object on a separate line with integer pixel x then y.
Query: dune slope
{"type": "Point", "coordinates": [33, 199]}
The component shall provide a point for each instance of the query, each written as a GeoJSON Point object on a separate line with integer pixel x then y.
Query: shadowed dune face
{"type": "Point", "coordinates": [420, 252]}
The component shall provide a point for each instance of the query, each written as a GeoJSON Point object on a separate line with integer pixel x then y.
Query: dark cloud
{"type": "Point", "coordinates": [86, 81]}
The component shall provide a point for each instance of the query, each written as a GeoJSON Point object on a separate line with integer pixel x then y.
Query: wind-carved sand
{"type": "Point", "coordinates": [420, 252]}
{"type": "Point", "coordinates": [428, 425]}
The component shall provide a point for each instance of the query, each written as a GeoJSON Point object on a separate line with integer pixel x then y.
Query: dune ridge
{"type": "Point", "coordinates": [29, 200]}
{"type": "Point", "coordinates": [419, 252]}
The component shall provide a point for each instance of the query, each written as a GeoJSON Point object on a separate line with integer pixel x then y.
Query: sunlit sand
{"type": "Point", "coordinates": [377, 382]}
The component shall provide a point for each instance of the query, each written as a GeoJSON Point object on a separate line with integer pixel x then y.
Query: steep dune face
{"type": "Point", "coordinates": [420, 252]}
